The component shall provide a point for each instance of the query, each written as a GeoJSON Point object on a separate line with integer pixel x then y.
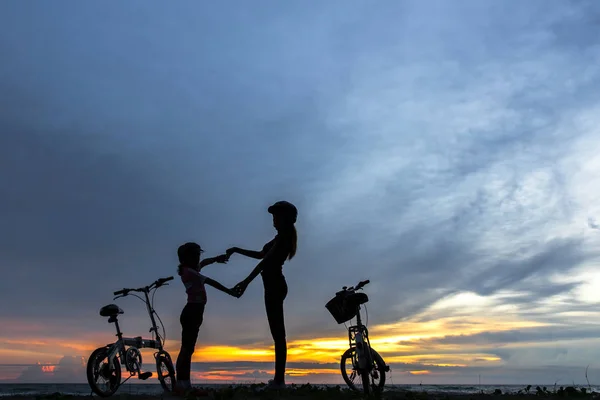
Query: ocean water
{"type": "Point", "coordinates": [33, 389]}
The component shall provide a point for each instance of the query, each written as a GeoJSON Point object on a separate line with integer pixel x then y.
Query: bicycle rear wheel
{"type": "Point", "coordinates": [101, 379]}
{"type": "Point", "coordinates": [375, 379]}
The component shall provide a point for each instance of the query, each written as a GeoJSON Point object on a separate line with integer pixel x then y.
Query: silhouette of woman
{"type": "Point", "coordinates": [273, 256]}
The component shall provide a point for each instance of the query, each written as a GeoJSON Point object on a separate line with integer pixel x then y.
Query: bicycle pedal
{"type": "Point", "coordinates": [144, 375]}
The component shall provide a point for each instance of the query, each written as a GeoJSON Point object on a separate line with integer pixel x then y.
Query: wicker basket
{"type": "Point", "coordinates": [341, 310]}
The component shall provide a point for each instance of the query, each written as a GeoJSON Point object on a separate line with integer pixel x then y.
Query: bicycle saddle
{"type": "Point", "coordinates": [110, 310]}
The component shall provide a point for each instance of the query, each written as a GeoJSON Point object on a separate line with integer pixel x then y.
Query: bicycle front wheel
{"type": "Point", "coordinates": [166, 372]}
{"type": "Point", "coordinates": [354, 377]}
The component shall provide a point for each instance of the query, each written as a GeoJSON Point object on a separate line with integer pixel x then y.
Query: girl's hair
{"type": "Point", "coordinates": [293, 238]}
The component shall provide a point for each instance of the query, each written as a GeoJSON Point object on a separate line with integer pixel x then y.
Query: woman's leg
{"type": "Point", "coordinates": [191, 319]}
{"type": "Point", "coordinates": [274, 297]}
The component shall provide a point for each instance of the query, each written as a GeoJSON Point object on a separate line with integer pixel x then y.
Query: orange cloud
{"type": "Point", "coordinates": [48, 368]}
{"type": "Point", "coordinates": [310, 372]}
{"type": "Point", "coordinates": [22, 351]}
{"type": "Point", "coordinates": [420, 372]}
{"type": "Point", "coordinates": [231, 353]}
{"type": "Point", "coordinates": [32, 342]}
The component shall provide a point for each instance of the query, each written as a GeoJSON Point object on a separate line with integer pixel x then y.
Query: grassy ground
{"type": "Point", "coordinates": [307, 392]}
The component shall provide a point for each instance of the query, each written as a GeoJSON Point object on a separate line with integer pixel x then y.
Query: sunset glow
{"type": "Point", "coordinates": [48, 368]}
{"type": "Point", "coordinates": [404, 343]}
{"type": "Point", "coordinates": [422, 372]}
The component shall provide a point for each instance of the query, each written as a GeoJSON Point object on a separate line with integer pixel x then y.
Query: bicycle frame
{"type": "Point", "coordinates": [119, 347]}
{"type": "Point", "coordinates": [358, 337]}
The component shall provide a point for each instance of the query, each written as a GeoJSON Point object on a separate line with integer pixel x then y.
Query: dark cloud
{"type": "Point", "coordinates": [555, 255]}
{"type": "Point", "coordinates": [576, 28]}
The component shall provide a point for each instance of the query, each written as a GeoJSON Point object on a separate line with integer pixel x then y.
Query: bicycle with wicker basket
{"type": "Point", "coordinates": [360, 360]}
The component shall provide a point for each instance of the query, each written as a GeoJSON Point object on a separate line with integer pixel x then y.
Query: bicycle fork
{"type": "Point", "coordinates": [360, 351]}
{"type": "Point", "coordinates": [365, 361]}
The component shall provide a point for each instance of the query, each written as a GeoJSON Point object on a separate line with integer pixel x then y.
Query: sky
{"type": "Point", "coordinates": [446, 151]}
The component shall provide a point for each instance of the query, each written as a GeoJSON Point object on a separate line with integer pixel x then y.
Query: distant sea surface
{"type": "Point", "coordinates": [32, 389]}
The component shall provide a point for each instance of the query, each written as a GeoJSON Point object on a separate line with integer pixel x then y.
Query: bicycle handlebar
{"type": "Point", "coordinates": [161, 281]}
{"type": "Point", "coordinates": [156, 284]}
{"type": "Point", "coordinates": [360, 285]}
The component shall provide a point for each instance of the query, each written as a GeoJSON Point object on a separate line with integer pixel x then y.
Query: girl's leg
{"type": "Point", "coordinates": [191, 319]}
{"type": "Point", "coordinates": [274, 297]}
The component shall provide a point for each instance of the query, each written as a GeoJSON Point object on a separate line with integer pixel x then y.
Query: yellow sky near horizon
{"type": "Point", "coordinates": [417, 340]}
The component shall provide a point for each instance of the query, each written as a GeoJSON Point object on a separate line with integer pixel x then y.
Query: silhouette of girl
{"type": "Point", "coordinates": [273, 256]}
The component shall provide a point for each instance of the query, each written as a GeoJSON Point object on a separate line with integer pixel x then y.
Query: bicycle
{"type": "Point", "coordinates": [105, 362]}
{"type": "Point", "coordinates": [365, 361]}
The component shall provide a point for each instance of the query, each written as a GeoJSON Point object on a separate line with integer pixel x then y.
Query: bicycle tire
{"type": "Point", "coordinates": [94, 369]}
{"type": "Point", "coordinates": [167, 382]}
{"type": "Point", "coordinates": [365, 378]}
{"type": "Point", "coordinates": [380, 369]}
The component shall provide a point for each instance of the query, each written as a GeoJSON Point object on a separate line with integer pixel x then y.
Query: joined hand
{"type": "Point", "coordinates": [223, 258]}
{"type": "Point", "coordinates": [240, 288]}
{"type": "Point", "coordinates": [235, 293]}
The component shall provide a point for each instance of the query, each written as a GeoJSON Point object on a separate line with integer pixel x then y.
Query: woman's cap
{"type": "Point", "coordinates": [284, 208]}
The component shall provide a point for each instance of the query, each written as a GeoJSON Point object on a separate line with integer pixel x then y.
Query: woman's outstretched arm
{"type": "Point", "coordinates": [258, 255]}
